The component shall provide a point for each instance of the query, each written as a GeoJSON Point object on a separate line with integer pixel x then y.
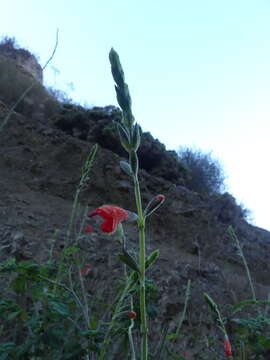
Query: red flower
{"type": "Point", "coordinates": [88, 229]}
{"type": "Point", "coordinates": [132, 315]}
{"type": "Point", "coordinates": [112, 215]}
{"type": "Point", "coordinates": [227, 346]}
{"type": "Point", "coordinates": [86, 269]}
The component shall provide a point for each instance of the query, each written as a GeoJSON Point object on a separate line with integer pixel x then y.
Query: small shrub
{"type": "Point", "coordinates": [74, 120]}
{"type": "Point", "coordinates": [10, 47]}
{"type": "Point", "coordinates": [59, 96]}
{"type": "Point", "coordinates": [246, 213]}
{"type": "Point", "coordinates": [206, 175]}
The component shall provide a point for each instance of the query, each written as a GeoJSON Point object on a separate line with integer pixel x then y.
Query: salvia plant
{"type": "Point", "coordinates": [130, 136]}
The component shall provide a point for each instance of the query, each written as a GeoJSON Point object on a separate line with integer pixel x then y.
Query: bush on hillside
{"type": "Point", "coordinates": [206, 175]}
{"type": "Point", "coordinates": [59, 96]}
{"type": "Point", "coordinates": [8, 45]}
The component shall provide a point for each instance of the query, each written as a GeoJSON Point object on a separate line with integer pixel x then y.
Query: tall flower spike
{"type": "Point", "coordinates": [121, 88]}
{"type": "Point", "coordinates": [113, 215]}
{"type": "Point", "coordinates": [117, 71]}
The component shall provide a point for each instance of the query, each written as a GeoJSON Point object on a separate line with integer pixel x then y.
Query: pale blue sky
{"type": "Point", "coordinates": [198, 72]}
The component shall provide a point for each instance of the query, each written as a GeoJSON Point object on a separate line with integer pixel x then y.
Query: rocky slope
{"type": "Point", "coordinates": [40, 165]}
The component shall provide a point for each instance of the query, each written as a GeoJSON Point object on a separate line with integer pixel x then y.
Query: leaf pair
{"type": "Point", "coordinates": [127, 259]}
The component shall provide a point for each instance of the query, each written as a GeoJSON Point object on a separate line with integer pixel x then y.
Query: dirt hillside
{"type": "Point", "coordinates": [40, 164]}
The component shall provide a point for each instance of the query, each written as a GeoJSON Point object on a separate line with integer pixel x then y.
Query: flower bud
{"type": "Point", "coordinates": [227, 346]}
{"type": "Point", "coordinates": [154, 204]}
{"type": "Point", "coordinates": [117, 71]}
{"type": "Point", "coordinates": [132, 315]}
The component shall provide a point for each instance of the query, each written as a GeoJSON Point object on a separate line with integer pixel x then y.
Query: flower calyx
{"type": "Point", "coordinates": [154, 204]}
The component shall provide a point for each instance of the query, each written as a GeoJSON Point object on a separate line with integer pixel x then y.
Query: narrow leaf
{"type": "Point", "coordinates": [126, 258]}
{"type": "Point", "coordinates": [124, 137]}
{"type": "Point", "coordinates": [136, 137]}
{"type": "Point", "coordinates": [126, 168]}
{"type": "Point", "coordinates": [238, 306]}
{"type": "Point", "coordinates": [133, 160]}
{"type": "Point", "coordinates": [211, 303]}
{"type": "Point", "coordinates": [151, 258]}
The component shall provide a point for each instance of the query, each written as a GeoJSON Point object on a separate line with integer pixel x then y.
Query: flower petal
{"type": "Point", "coordinates": [88, 229]}
{"type": "Point", "coordinates": [108, 226]}
{"type": "Point", "coordinates": [112, 215]}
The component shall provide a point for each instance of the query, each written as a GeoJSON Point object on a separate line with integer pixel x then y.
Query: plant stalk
{"type": "Point", "coordinates": [117, 310]}
{"type": "Point", "coordinates": [141, 226]}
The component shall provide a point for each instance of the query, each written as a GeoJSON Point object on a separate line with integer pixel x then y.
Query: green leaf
{"type": "Point", "coordinates": [151, 258]}
{"type": "Point", "coordinates": [70, 251]}
{"type": "Point", "coordinates": [211, 303]}
{"type": "Point", "coordinates": [90, 158]}
{"type": "Point", "coordinates": [173, 336]}
{"type": "Point", "coordinates": [238, 306]}
{"type": "Point", "coordinates": [19, 284]}
{"type": "Point", "coordinates": [8, 307]}
{"type": "Point", "coordinates": [8, 265]}
{"type": "Point", "coordinates": [27, 267]}
{"type": "Point", "coordinates": [87, 166]}
{"type": "Point", "coordinates": [264, 341]}
{"type": "Point", "coordinates": [124, 137]}
{"type": "Point", "coordinates": [59, 307]}
{"type": "Point", "coordinates": [126, 258]}
{"type": "Point", "coordinates": [133, 160]}
{"type": "Point", "coordinates": [126, 168]}
{"type": "Point", "coordinates": [6, 349]}
{"type": "Point", "coordinates": [13, 315]}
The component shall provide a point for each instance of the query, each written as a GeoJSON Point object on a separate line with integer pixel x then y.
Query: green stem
{"type": "Point", "coordinates": [235, 238]}
{"type": "Point", "coordinates": [75, 207]}
{"type": "Point", "coordinates": [113, 321]}
{"type": "Point", "coordinates": [131, 342]}
{"type": "Point", "coordinates": [141, 225]}
{"type": "Point", "coordinates": [182, 318]}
